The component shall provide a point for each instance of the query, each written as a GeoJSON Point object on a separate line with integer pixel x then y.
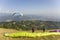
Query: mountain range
{"type": "Point", "coordinates": [8, 17]}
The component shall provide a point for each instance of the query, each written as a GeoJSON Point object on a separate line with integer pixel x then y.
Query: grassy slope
{"type": "Point", "coordinates": [51, 37]}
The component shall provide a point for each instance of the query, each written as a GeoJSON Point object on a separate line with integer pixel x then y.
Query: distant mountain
{"type": "Point", "coordinates": [8, 17]}
{"type": "Point", "coordinates": [18, 18]}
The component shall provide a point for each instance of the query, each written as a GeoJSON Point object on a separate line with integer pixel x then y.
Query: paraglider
{"type": "Point", "coordinates": [17, 14]}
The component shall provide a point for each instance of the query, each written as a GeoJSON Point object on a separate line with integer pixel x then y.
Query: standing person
{"type": "Point", "coordinates": [32, 29]}
{"type": "Point", "coordinates": [44, 29]}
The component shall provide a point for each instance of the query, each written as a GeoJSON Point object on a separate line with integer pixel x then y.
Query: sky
{"type": "Point", "coordinates": [38, 7]}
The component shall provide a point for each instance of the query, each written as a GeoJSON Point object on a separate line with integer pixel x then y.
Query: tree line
{"type": "Point", "coordinates": [28, 24]}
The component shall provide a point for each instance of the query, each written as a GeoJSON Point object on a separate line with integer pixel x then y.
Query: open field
{"type": "Point", "coordinates": [50, 37]}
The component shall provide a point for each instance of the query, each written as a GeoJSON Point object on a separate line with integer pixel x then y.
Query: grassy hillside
{"type": "Point", "coordinates": [2, 30]}
{"type": "Point", "coordinates": [13, 27]}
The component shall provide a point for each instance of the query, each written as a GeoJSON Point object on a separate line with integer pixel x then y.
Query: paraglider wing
{"type": "Point", "coordinates": [13, 14]}
{"type": "Point", "coordinates": [17, 14]}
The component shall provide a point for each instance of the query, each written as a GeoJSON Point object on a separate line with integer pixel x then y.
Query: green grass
{"type": "Point", "coordinates": [51, 36]}
{"type": "Point", "coordinates": [32, 35]}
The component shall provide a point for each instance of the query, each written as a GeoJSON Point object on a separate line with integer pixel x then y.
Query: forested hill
{"type": "Point", "coordinates": [27, 25]}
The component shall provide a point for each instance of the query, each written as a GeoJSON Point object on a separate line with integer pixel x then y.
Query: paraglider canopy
{"type": "Point", "coordinates": [17, 14]}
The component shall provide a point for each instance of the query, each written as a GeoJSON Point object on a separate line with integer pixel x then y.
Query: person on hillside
{"type": "Point", "coordinates": [44, 29]}
{"type": "Point", "coordinates": [32, 29]}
